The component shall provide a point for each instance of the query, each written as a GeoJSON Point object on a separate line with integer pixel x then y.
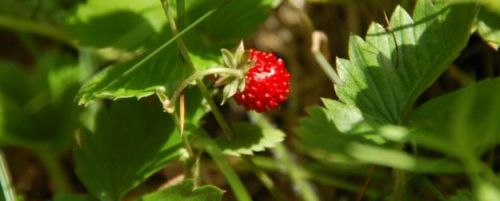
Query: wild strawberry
{"type": "Point", "coordinates": [267, 83]}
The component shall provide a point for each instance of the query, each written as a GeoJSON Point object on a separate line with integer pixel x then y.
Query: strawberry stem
{"type": "Point", "coordinates": [198, 76]}
{"type": "Point", "coordinates": [184, 51]}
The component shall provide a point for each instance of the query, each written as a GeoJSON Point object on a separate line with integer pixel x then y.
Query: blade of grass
{"type": "Point", "coordinates": [7, 190]}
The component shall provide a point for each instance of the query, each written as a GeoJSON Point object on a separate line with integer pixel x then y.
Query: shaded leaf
{"type": "Point", "coordinates": [14, 82]}
{"type": "Point", "coordinates": [15, 127]}
{"type": "Point", "coordinates": [462, 195]}
{"type": "Point", "coordinates": [38, 108]}
{"type": "Point", "coordinates": [320, 136]}
{"type": "Point", "coordinates": [249, 138]}
{"type": "Point", "coordinates": [131, 141]}
{"type": "Point", "coordinates": [73, 197]}
{"type": "Point", "coordinates": [185, 191]}
{"type": "Point", "coordinates": [463, 123]}
{"type": "Point", "coordinates": [126, 25]}
{"type": "Point", "coordinates": [357, 142]}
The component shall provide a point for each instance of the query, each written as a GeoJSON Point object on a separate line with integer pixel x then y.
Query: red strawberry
{"type": "Point", "coordinates": [267, 83]}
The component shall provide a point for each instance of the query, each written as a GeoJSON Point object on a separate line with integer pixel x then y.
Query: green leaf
{"type": "Point", "coordinates": [491, 5]}
{"type": "Point", "coordinates": [121, 24]}
{"type": "Point", "coordinates": [15, 126]}
{"type": "Point", "coordinates": [14, 82]}
{"type": "Point", "coordinates": [463, 123]}
{"type": "Point", "coordinates": [143, 75]}
{"type": "Point", "coordinates": [38, 109]}
{"type": "Point", "coordinates": [249, 138]}
{"type": "Point", "coordinates": [73, 197]}
{"type": "Point", "coordinates": [338, 133]}
{"type": "Point", "coordinates": [462, 195]}
{"type": "Point", "coordinates": [125, 80]}
{"type": "Point", "coordinates": [488, 26]}
{"type": "Point", "coordinates": [131, 141]}
{"type": "Point", "coordinates": [486, 190]}
{"type": "Point", "coordinates": [320, 133]}
{"type": "Point", "coordinates": [384, 76]}
{"type": "Point", "coordinates": [186, 191]}
{"type": "Point", "coordinates": [374, 154]}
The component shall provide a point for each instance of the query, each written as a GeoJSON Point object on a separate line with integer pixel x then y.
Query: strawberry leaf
{"type": "Point", "coordinates": [249, 138]}
{"type": "Point", "coordinates": [463, 123]}
{"type": "Point", "coordinates": [186, 191]}
{"type": "Point", "coordinates": [356, 142]}
{"type": "Point", "coordinates": [488, 26]}
{"type": "Point", "coordinates": [163, 68]}
{"type": "Point", "coordinates": [126, 25]}
{"type": "Point", "coordinates": [113, 158]}
{"type": "Point", "coordinates": [393, 66]}
{"type": "Point", "coordinates": [36, 108]}
{"type": "Point", "coordinates": [386, 72]}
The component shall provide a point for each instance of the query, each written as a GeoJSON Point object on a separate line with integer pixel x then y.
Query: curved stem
{"type": "Point", "coordinates": [215, 111]}
{"type": "Point", "coordinates": [7, 190]}
{"type": "Point", "coordinates": [197, 76]}
{"type": "Point", "coordinates": [184, 51]}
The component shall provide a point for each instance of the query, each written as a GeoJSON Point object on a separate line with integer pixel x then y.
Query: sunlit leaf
{"type": "Point", "coordinates": [393, 66]}
{"type": "Point", "coordinates": [143, 75]}
{"type": "Point", "coordinates": [488, 26]}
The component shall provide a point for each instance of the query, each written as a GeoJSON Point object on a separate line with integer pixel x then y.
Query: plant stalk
{"type": "Point", "coordinates": [185, 54]}
{"type": "Point", "coordinates": [7, 189]}
{"type": "Point", "coordinates": [296, 174]}
{"type": "Point", "coordinates": [232, 178]}
{"type": "Point", "coordinates": [198, 76]}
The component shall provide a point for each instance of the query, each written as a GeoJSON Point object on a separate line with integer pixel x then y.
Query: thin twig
{"type": "Point", "coordinates": [365, 185]}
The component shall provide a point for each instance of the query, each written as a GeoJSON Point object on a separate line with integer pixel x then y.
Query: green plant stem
{"type": "Point", "coordinates": [307, 192]}
{"type": "Point", "coordinates": [232, 178]}
{"type": "Point", "coordinates": [265, 179]}
{"type": "Point", "coordinates": [399, 186]}
{"type": "Point", "coordinates": [212, 148]}
{"type": "Point", "coordinates": [176, 37]}
{"type": "Point", "coordinates": [185, 54]}
{"type": "Point", "coordinates": [311, 172]}
{"type": "Point", "coordinates": [7, 190]}
{"type": "Point", "coordinates": [226, 129]}
{"type": "Point", "coordinates": [38, 28]}
{"type": "Point", "coordinates": [326, 67]}
{"type": "Point", "coordinates": [198, 76]}
{"type": "Point", "coordinates": [55, 172]}
{"type": "Point", "coordinates": [428, 184]}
